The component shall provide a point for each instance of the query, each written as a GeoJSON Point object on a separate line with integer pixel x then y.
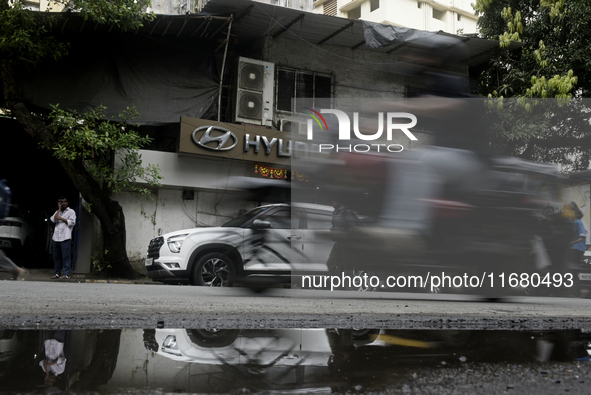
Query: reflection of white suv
{"type": "Point", "coordinates": [268, 240]}
{"type": "Point", "coordinates": [15, 231]}
{"type": "Point", "coordinates": [12, 343]}
{"type": "Point", "coordinates": [251, 347]}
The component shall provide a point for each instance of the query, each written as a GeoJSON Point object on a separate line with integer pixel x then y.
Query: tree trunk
{"type": "Point", "coordinates": [103, 363]}
{"type": "Point", "coordinates": [110, 215]}
{"type": "Point", "coordinates": [108, 211]}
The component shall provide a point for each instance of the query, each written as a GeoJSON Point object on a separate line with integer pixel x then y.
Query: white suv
{"type": "Point", "coordinates": [269, 240]}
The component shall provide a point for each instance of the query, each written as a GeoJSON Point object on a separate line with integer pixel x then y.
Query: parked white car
{"type": "Point", "coordinates": [15, 231]}
{"type": "Point", "coordinates": [12, 343]}
{"type": "Point", "coordinates": [268, 240]}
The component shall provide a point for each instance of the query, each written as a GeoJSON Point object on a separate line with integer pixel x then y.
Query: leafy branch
{"type": "Point", "coordinates": [108, 149]}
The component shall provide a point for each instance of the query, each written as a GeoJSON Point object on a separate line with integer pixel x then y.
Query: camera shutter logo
{"type": "Point", "coordinates": [222, 139]}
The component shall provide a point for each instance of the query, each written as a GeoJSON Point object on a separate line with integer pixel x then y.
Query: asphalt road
{"type": "Point", "coordinates": [47, 305]}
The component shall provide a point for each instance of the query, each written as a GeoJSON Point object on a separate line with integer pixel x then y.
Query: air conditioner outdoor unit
{"type": "Point", "coordinates": [254, 93]}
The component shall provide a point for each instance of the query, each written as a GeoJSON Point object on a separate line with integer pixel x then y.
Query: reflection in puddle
{"type": "Point", "coordinates": [229, 360]}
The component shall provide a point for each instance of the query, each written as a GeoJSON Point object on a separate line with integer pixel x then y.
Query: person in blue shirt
{"type": "Point", "coordinates": [577, 246]}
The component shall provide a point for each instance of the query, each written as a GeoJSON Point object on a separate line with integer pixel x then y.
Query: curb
{"type": "Point", "coordinates": [43, 275]}
{"type": "Point", "coordinates": [91, 281]}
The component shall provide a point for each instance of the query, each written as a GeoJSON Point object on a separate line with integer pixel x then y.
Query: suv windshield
{"type": "Point", "coordinates": [244, 218]}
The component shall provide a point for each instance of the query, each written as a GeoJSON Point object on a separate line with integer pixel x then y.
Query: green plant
{"type": "Point", "coordinates": [99, 264]}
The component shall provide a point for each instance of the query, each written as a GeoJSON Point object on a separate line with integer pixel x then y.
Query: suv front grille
{"type": "Point", "coordinates": [154, 247]}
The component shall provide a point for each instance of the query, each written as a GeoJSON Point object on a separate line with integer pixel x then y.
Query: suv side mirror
{"type": "Point", "coordinates": [261, 224]}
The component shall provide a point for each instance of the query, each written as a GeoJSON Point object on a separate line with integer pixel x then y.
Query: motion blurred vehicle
{"type": "Point", "coordinates": [271, 240]}
{"type": "Point", "coordinates": [440, 209]}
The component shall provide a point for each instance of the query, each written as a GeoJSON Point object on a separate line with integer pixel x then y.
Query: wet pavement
{"type": "Point", "coordinates": [169, 360]}
{"type": "Point", "coordinates": [163, 359]}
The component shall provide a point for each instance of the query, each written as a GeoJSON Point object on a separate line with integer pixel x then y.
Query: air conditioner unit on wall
{"type": "Point", "coordinates": [254, 92]}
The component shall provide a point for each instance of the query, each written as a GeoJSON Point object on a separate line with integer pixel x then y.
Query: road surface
{"type": "Point", "coordinates": [46, 305]}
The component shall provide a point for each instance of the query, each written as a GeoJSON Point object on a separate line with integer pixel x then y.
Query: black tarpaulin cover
{"type": "Point", "coordinates": [379, 35]}
{"type": "Point", "coordinates": [163, 79]}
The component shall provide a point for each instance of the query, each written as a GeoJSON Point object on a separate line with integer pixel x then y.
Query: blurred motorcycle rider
{"type": "Point", "coordinates": [18, 273]}
{"type": "Point", "coordinates": [576, 250]}
{"type": "Point", "coordinates": [341, 258]}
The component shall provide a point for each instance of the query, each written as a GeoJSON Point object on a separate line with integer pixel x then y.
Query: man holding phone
{"type": "Point", "coordinates": [64, 219]}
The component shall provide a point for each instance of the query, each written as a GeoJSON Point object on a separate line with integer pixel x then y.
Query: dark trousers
{"type": "Point", "coordinates": [62, 252]}
{"type": "Point", "coordinates": [575, 258]}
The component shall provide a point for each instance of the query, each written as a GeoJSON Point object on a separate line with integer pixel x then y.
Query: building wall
{"type": "Point", "coordinates": [90, 245]}
{"type": "Point", "coordinates": [451, 16]}
{"type": "Point", "coordinates": [173, 7]}
{"type": "Point", "coordinates": [44, 5]}
{"type": "Point", "coordinates": [305, 5]}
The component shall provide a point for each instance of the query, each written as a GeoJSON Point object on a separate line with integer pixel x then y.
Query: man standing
{"type": "Point", "coordinates": [54, 363]}
{"type": "Point", "coordinates": [64, 219]}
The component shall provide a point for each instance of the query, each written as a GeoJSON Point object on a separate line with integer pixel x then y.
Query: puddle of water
{"type": "Point", "coordinates": [166, 360]}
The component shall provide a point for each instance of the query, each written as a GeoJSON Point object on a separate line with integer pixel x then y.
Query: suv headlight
{"type": "Point", "coordinates": [176, 242]}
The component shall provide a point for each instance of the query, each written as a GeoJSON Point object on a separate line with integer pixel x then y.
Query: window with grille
{"type": "Point", "coordinates": [293, 84]}
{"type": "Point", "coordinates": [330, 8]}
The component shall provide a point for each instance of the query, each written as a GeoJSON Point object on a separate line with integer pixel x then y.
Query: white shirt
{"type": "Point", "coordinates": [63, 231]}
{"type": "Point", "coordinates": [54, 351]}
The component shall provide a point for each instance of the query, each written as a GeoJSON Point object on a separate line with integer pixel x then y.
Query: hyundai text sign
{"type": "Point", "coordinates": [243, 142]}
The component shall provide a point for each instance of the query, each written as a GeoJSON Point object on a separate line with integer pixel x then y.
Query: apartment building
{"type": "Point", "coordinates": [450, 16]}
{"type": "Point", "coordinates": [44, 5]}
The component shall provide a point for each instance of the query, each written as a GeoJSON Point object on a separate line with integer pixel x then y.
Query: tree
{"type": "Point", "coordinates": [84, 144]}
{"type": "Point", "coordinates": [554, 63]}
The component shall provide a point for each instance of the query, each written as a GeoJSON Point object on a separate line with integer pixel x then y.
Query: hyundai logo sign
{"type": "Point", "coordinates": [220, 135]}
